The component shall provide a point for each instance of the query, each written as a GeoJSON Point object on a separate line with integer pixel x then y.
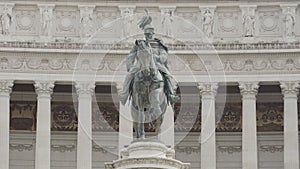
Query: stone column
{"type": "Point", "coordinates": [5, 90]}
{"type": "Point", "coordinates": [249, 138]}
{"type": "Point", "coordinates": [44, 90]}
{"type": "Point", "coordinates": [208, 128]}
{"type": "Point", "coordinates": [289, 21]}
{"type": "Point", "coordinates": [46, 14]}
{"type": "Point", "coordinates": [86, 20]}
{"type": "Point", "coordinates": [125, 123]}
{"type": "Point", "coordinates": [85, 91]}
{"type": "Point", "coordinates": [291, 143]}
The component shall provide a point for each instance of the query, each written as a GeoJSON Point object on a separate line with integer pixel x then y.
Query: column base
{"type": "Point", "coordinates": [147, 154]}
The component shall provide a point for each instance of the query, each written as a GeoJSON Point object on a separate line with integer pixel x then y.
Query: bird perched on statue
{"type": "Point", "coordinates": [146, 20]}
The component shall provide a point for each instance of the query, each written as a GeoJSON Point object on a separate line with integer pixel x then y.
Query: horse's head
{"type": "Point", "coordinates": [146, 61]}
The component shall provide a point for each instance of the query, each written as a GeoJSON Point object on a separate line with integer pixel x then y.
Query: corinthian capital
{"type": "Point", "coordinates": [248, 88]}
{"type": "Point", "coordinates": [87, 88]}
{"type": "Point", "coordinates": [289, 88]}
{"type": "Point", "coordinates": [5, 87]}
{"type": "Point", "coordinates": [208, 89]}
{"type": "Point", "coordinates": [44, 87]}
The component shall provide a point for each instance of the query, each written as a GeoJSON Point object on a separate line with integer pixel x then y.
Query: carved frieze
{"type": "Point", "coordinates": [187, 149]}
{"type": "Point", "coordinates": [231, 117]}
{"type": "Point", "coordinates": [23, 115]}
{"type": "Point", "coordinates": [105, 117]}
{"type": "Point", "coordinates": [20, 147]}
{"type": "Point", "coordinates": [63, 148]}
{"type": "Point", "coordinates": [187, 117]}
{"type": "Point", "coordinates": [64, 117]}
{"type": "Point", "coordinates": [271, 148]}
{"type": "Point", "coordinates": [269, 117]}
{"type": "Point", "coordinates": [230, 149]}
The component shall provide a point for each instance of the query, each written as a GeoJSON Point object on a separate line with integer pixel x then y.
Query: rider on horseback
{"type": "Point", "coordinates": [159, 52]}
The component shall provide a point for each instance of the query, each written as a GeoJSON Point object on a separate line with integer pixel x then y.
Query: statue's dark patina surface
{"type": "Point", "coordinates": [148, 82]}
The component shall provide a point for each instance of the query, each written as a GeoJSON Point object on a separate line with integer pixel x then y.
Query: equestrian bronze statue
{"type": "Point", "coordinates": [148, 82]}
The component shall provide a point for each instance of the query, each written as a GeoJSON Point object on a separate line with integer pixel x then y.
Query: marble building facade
{"type": "Point", "coordinates": [237, 66]}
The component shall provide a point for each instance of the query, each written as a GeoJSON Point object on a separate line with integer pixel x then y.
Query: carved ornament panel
{"type": "Point", "coordinates": [269, 22]}
{"type": "Point", "coordinates": [66, 21]}
{"type": "Point", "coordinates": [228, 23]}
{"type": "Point", "coordinates": [26, 20]}
{"type": "Point", "coordinates": [23, 115]}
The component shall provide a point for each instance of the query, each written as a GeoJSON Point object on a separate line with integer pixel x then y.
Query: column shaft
{"type": "Point", "coordinates": [249, 138]}
{"type": "Point", "coordinates": [84, 136]}
{"type": "Point", "coordinates": [5, 90]}
{"type": "Point", "coordinates": [167, 127]}
{"type": "Point", "coordinates": [291, 142]}
{"type": "Point", "coordinates": [43, 129]}
{"type": "Point", "coordinates": [208, 132]}
{"type": "Point", "coordinates": [4, 131]}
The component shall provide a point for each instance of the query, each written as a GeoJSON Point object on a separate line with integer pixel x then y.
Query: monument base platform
{"type": "Point", "coordinates": [147, 155]}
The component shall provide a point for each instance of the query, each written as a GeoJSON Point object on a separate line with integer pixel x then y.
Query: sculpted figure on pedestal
{"type": "Point", "coordinates": [248, 22]}
{"type": "Point", "coordinates": [289, 23]}
{"type": "Point", "coordinates": [207, 23]}
{"type": "Point", "coordinates": [87, 24]}
{"type": "Point", "coordinates": [167, 22]}
{"type": "Point", "coordinates": [127, 21]}
{"type": "Point", "coordinates": [46, 20]}
{"type": "Point", "coordinates": [148, 82]}
{"type": "Point", "coordinates": [6, 20]}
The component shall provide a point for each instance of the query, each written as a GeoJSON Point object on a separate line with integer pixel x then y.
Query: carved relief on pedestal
{"type": "Point", "coordinates": [228, 22]}
{"type": "Point", "coordinates": [66, 21]}
{"type": "Point", "coordinates": [269, 21]}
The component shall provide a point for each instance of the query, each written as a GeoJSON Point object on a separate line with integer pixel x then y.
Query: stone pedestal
{"type": "Point", "coordinates": [147, 154]}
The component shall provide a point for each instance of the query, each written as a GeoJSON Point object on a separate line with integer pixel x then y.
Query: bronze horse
{"type": "Point", "coordinates": [149, 102]}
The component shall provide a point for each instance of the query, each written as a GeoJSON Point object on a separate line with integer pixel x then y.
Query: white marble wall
{"type": "Point", "coordinates": [74, 22]}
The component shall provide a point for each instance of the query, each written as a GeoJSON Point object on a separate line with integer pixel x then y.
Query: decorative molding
{"type": "Point", "coordinates": [63, 148]}
{"type": "Point", "coordinates": [6, 87]}
{"type": "Point", "coordinates": [271, 148]}
{"type": "Point", "coordinates": [20, 147]}
{"type": "Point", "coordinates": [248, 88]}
{"type": "Point", "coordinates": [85, 88]}
{"type": "Point", "coordinates": [230, 149]}
{"type": "Point", "coordinates": [290, 89]}
{"type": "Point", "coordinates": [44, 87]}
{"type": "Point", "coordinates": [208, 89]}
{"type": "Point", "coordinates": [188, 149]}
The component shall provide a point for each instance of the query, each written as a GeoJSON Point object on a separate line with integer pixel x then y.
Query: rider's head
{"type": "Point", "coordinates": [149, 31]}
